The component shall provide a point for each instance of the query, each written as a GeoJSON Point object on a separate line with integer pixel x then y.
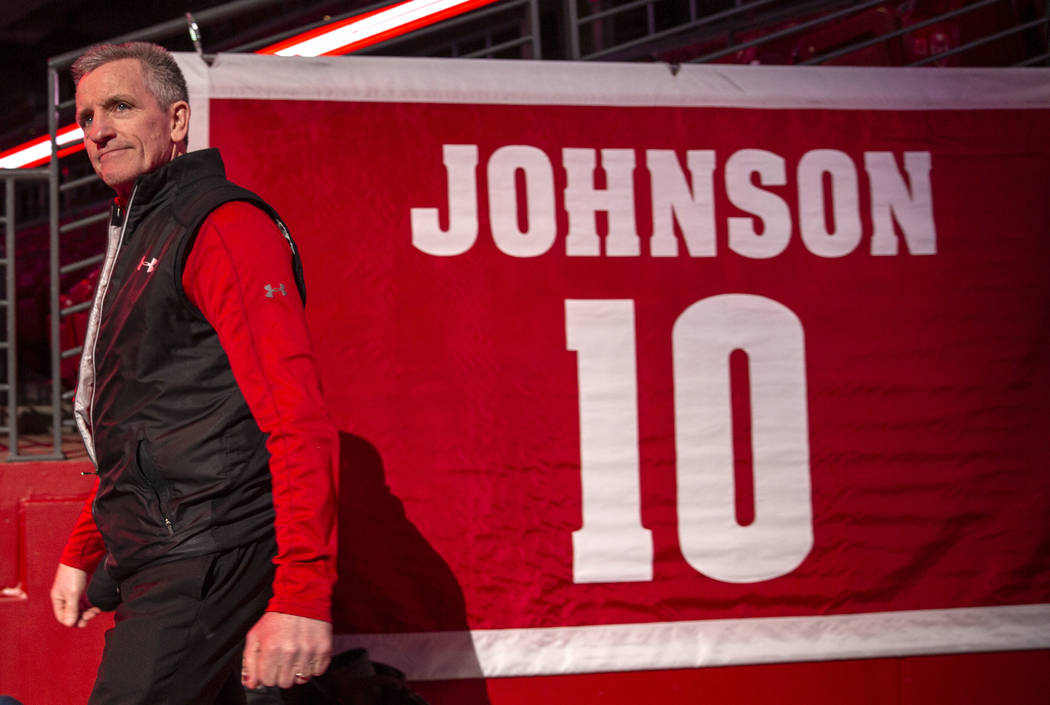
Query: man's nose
{"type": "Point", "coordinates": [100, 129]}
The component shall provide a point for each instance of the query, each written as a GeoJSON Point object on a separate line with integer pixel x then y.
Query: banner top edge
{"type": "Point", "coordinates": [522, 82]}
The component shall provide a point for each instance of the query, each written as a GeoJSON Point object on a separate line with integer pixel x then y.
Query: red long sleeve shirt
{"type": "Point", "coordinates": [239, 275]}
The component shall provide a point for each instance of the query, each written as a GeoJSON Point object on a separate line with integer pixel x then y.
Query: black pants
{"type": "Point", "coordinates": [179, 632]}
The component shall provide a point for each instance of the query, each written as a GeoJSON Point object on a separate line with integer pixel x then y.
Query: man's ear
{"type": "Point", "coordinates": [180, 120]}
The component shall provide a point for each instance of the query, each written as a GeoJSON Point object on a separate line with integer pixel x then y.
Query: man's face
{"type": "Point", "coordinates": [126, 132]}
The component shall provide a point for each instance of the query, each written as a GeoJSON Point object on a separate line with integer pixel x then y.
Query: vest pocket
{"type": "Point", "coordinates": [155, 481]}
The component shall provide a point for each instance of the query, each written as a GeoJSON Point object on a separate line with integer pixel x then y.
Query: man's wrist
{"type": "Point", "coordinates": [320, 612]}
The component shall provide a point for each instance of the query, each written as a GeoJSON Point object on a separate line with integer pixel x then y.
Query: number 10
{"type": "Point", "coordinates": [612, 545]}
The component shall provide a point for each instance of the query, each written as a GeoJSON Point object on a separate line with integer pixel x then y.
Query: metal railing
{"type": "Point", "coordinates": [508, 29]}
{"type": "Point", "coordinates": [641, 29]}
{"type": "Point", "coordinates": [9, 387]}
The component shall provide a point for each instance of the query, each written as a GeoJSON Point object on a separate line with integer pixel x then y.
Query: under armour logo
{"type": "Point", "coordinates": [150, 266]}
{"type": "Point", "coordinates": [271, 290]}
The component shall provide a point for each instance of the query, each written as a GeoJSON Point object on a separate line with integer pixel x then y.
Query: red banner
{"type": "Point", "coordinates": [651, 369]}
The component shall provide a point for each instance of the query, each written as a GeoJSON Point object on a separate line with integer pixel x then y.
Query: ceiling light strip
{"type": "Point", "coordinates": [363, 30]}
{"type": "Point", "coordinates": [37, 151]}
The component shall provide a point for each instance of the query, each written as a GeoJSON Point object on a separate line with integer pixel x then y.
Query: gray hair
{"type": "Point", "coordinates": [163, 77]}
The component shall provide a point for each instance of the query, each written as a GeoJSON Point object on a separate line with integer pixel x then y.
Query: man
{"type": "Point", "coordinates": [200, 405]}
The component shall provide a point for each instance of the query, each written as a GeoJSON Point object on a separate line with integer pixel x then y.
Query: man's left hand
{"type": "Point", "coordinates": [282, 650]}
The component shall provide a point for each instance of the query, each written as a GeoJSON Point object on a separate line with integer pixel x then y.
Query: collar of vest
{"type": "Point", "coordinates": [169, 179]}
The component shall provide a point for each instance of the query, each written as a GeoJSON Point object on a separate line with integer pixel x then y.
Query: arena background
{"type": "Point", "coordinates": [706, 383]}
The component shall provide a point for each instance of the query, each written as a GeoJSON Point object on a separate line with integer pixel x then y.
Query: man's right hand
{"type": "Point", "coordinates": [67, 597]}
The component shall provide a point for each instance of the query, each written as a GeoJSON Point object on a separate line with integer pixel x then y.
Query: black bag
{"type": "Point", "coordinates": [351, 679]}
{"type": "Point", "coordinates": [102, 590]}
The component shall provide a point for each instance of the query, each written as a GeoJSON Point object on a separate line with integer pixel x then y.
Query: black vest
{"type": "Point", "coordinates": [183, 467]}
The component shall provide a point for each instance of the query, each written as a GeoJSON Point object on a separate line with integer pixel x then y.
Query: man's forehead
{"type": "Point", "coordinates": [115, 81]}
{"type": "Point", "coordinates": [119, 75]}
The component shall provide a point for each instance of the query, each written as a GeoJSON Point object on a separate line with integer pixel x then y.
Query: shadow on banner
{"type": "Point", "coordinates": [390, 579]}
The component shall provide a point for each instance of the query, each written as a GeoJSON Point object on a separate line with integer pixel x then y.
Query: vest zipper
{"type": "Point", "coordinates": [86, 425]}
{"type": "Point", "coordinates": [147, 469]}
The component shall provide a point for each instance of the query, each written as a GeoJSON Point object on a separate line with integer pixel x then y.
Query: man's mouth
{"type": "Point", "coordinates": [107, 152]}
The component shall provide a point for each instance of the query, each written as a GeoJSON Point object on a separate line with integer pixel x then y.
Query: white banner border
{"type": "Point", "coordinates": [520, 82]}
{"type": "Point", "coordinates": [507, 82]}
{"type": "Point", "coordinates": [491, 653]}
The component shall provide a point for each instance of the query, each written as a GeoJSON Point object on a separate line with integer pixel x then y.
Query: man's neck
{"type": "Point", "coordinates": [122, 198]}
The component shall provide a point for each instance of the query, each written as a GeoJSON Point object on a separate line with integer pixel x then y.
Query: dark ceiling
{"type": "Point", "coordinates": [31, 31]}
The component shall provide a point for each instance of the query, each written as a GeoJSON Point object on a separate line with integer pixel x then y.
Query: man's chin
{"type": "Point", "coordinates": [118, 182]}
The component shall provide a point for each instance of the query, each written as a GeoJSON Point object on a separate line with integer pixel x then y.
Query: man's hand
{"type": "Point", "coordinates": [67, 597]}
{"type": "Point", "coordinates": [282, 649]}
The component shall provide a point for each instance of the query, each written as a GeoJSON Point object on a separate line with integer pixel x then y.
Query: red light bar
{"type": "Point", "coordinates": [371, 28]}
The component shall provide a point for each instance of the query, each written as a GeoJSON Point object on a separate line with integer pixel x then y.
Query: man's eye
{"type": "Point", "coordinates": [123, 106]}
{"type": "Point", "coordinates": [85, 122]}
